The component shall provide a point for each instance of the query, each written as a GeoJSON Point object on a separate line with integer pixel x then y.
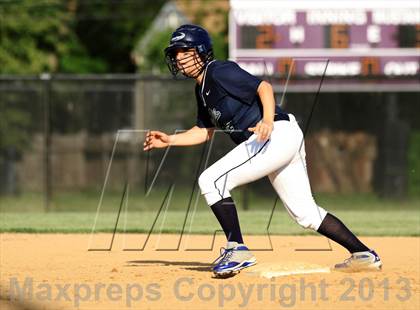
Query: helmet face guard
{"type": "Point", "coordinates": [178, 65]}
{"type": "Point", "coordinates": [189, 38]}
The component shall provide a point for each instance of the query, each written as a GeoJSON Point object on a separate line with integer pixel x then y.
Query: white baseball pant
{"type": "Point", "coordinates": [281, 158]}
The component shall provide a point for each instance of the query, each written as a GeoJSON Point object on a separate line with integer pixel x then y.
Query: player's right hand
{"type": "Point", "coordinates": [155, 139]}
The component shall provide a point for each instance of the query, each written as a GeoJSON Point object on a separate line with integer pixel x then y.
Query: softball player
{"type": "Point", "coordinates": [269, 143]}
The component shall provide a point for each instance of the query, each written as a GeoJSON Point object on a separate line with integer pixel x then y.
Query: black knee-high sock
{"type": "Point", "coordinates": [227, 216]}
{"type": "Point", "coordinates": [334, 229]}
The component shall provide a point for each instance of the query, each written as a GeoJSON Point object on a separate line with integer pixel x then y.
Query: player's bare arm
{"type": "Point", "coordinates": [193, 136]}
{"type": "Point", "coordinates": [264, 128]}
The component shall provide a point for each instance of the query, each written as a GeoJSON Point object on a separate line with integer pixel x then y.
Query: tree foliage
{"type": "Point", "coordinates": [79, 36]}
{"type": "Point", "coordinates": [110, 29]}
{"type": "Point", "coordinates": [38, 36]}
{"type": "Point", "coordinates": [71, 36]}
{"type": "Point", "coordinates": [154, 58]}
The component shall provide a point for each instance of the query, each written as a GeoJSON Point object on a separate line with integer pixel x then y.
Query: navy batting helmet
{"type": "Point", "coordinates": [187, 37]}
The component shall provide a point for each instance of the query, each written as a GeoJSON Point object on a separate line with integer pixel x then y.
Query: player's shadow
{"type": "Point", "coordinates": [196, 266]}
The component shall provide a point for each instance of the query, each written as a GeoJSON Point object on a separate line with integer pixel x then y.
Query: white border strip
{"type": "Point", "coordinates": [232, 36]}
{"type": "Point", "coordinates": [318, 52]}
{"type": "Point", "coordinates": [353, 87]}
{"type": "Point", "coordinates": [322, 4]}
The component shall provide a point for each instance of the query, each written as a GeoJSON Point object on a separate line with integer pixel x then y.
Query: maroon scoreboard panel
{"type": "Point", "coordinates": [358, 38]}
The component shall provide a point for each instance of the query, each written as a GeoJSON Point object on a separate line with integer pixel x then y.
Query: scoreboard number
{"type": "Point", "coordinates": [338, 36]}
{"type": "Point", "coordinates": [358, 38]}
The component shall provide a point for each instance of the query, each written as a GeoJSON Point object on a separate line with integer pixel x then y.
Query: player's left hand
{"type": "Point", "coordinates": [263, 130]}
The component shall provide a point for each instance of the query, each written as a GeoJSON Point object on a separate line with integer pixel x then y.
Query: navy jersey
{"type": "Point", "coordinates": [227, 99]}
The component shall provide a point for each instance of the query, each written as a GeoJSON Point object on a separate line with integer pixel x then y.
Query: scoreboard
{"type": "Point", "coordinates": [358, 37]}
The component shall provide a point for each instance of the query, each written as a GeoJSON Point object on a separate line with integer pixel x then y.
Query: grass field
{"type": "Point", "coordinates": [74, 212]}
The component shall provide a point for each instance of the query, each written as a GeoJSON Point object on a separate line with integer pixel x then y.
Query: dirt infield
{"type": "Point", "coordinates": [56, 271]}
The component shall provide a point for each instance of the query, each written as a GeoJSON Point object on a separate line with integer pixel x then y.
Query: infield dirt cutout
{"type": "Point", "coordinates": [56, 271]}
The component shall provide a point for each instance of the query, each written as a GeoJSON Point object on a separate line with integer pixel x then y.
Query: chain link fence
{"type": "Point", "coordinates": [59, 134]}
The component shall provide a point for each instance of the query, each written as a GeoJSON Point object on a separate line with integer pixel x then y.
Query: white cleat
{"type": "Point", "coordinates": [360, 261]}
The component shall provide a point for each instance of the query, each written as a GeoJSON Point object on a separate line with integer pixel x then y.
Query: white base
{"type": "Point", "coordinates": [271, 270]}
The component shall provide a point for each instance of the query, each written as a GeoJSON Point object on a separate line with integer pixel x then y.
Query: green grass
{"type": "Point", "coordinates": [75, 212]}
{"type": "Point", "coordinates": [368, 223]}
{"type": "Point", "coordinates": [87, 201]}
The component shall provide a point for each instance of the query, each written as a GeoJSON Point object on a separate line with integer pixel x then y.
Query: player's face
{"type": "Point", "coordinates": [189, 62]}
